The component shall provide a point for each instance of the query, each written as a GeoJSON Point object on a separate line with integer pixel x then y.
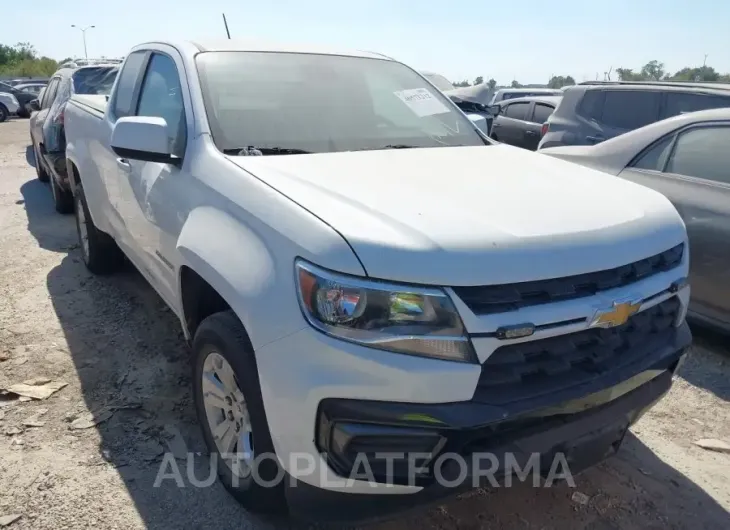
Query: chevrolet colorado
{"type": "Point", "coordinates": [361, 272]}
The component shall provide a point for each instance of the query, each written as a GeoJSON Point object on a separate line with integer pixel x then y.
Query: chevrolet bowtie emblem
{"type": "Point", "coordinates": [616, 316]}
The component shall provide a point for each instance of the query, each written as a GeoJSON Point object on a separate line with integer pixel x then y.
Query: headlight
{"type": "Point", "coordinates": [399, 318]}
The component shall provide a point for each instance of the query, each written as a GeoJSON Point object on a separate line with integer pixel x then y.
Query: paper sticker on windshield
{"type": "Point", "coordinates": [421, 102]}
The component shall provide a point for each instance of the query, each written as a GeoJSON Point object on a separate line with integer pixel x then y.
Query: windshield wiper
{"type": "Point", "coordinates": [252, 150]}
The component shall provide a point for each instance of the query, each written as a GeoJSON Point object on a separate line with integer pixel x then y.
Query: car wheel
{"type": "Point", "coordinates": [231, 412]}
{"type": "Point", "coordinates": [100, 252]}
{"type": "Point", "coordinates": [43, 176]}
{"type": "Point", "coordinates": [23, 112]}
{"type": "Point", "coordinates": [63, 200]}
{"type": "Point", "coordinates": [3, 113]}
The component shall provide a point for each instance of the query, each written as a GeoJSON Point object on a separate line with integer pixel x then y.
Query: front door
{"type": "Point", "coordinates": [149, 201]}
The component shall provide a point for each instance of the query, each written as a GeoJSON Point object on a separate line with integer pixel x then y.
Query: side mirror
{"type": "Point", "coordinates": [494, 110]}
{"type": "Point", "coordinates": [479, 121]}
{"type": "Point", "coordinates": [34, 105]}
{"type": "Point", "coordinates": [143, 138]}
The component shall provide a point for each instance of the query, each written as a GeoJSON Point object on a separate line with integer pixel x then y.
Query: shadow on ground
{"type": "Point", "coordinates": [707, 367]}
{"type": "Point", "coordinates": [132, 362]}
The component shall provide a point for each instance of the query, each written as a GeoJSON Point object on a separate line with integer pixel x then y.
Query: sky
{"type": "Point", "coordinates": [527, 41]}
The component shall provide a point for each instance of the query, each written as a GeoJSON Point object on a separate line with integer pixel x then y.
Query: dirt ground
{"type": "Point", "coordinates": [120, 351]}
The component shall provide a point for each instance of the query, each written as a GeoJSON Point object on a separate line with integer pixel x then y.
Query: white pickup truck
{"type": "Point", "coordinates": [361, 272]}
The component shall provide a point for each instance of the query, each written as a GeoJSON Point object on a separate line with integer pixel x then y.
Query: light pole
{"type": "Point", "coordinates": [83, 33]}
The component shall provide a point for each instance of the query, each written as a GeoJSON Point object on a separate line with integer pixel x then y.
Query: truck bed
{"type": "Point", "coordinates": [95, 105]}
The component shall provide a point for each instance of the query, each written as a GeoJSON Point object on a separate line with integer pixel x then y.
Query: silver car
{"type": "Point", "coordinates": [686, 158]}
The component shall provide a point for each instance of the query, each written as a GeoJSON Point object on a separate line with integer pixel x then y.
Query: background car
{"type": "Point", "coordinates": [31, 88]}
{"type": "Point", "coordinates": [47, 132]}
{"type": "Point", "coordinates": [8, 105]}
{"type": "Point", "coordinates": [686, 158]}
{"type": "Point", "coordinates": [595, 111]}
{"type": "Point", "coordinates": [513, 93]}
{"type": "Point", "coordinates": [520, 121]}
{"type": "Point", "coordinates": [24, 98]}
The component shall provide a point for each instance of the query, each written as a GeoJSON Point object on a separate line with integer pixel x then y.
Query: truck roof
{"type": "Point", "coordinates": [256, 45]}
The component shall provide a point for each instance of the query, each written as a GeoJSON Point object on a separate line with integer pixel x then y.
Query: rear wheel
{"type": "Point", "coordinates": [43, 176]}
{"type": "Point", "coordinates": [231, 413]}
{"type": "Point", "coordinates": [99, 250]}
{"type": "Point", "coordinates": [63, 200]}
{"type": "Point", "coordinates": [3, 113]}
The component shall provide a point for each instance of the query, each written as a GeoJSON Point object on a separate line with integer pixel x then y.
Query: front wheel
{"type": "Point", "coordinates": [4, 113]}
{"type": "Point", "coordinates": [99, 250]}
{"type": "Point", "coordinates": [231, 413]}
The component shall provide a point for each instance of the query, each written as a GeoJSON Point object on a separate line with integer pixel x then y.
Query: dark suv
{"type": "Point", "coordinates": [24, 98]}
{"type": "Point", "coordinates": [592, 112]}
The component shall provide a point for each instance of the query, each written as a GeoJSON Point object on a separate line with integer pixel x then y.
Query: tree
{"type": "Point", "coordinates": [627, 74]}
{"type": "Point", "coordinates": [515, 84]}
{"type": "Point", "coordinates": [702, 73]}
{"type": "Point", "coordinates": [479, 80]}
{"type": "Point", "coordinates": [653, 71]}
{"type": "Point", "coordinates": [462, 83]}
{"type": "Point", "coordinates": [22, 60]}
{"type": "Point", "coordinates": [492, 83]}
{"type": "Point", "coordinates": [560, 81]}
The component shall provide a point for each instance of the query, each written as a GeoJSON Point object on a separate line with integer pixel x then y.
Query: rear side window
{"type": "Point", "coordinates": [702, 153]}
{"type": "Point", "coordinates": [98, 80]}
{"type": "Point", "coordinates": [542, 112]}
{"type": "Point", "coordinates": [629, 110]}
{"type": "Point", "coordinates": [591, 105]}
{"type": "Point", "coordinates": [680, 102]}
{"type": "Point", "coordinates": [517, 111]}
{"type": "Point", "coordinates": [124, 96]}
{"type": "Point", "coordinates": [655, 158]}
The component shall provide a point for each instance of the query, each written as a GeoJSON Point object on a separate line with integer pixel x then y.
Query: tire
{"type": "Point", "coordinates": [100, 252]}
{"type": "Point", "coordinates": [43, 175]}
{"type": "Point", "coordinates": [3, 113]}
{"type": "Point", "coordinates": [63, 200]}
{"type": "Point", "coordinates": [223, 333]}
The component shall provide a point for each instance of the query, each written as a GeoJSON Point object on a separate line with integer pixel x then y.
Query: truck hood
{"type": "Point", "coordinates": [474, 215]}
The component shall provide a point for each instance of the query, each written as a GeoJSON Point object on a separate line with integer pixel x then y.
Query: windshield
{"type": "Point", "coordinates": [98, 80]}
{"type": "Point", "coordinates": [324, 103]}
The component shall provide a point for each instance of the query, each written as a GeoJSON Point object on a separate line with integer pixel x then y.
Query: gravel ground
{"type": "Point", "coordinates": [120, 351]}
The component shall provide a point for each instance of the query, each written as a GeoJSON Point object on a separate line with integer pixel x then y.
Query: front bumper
{"type": "Point", "coordinates": [584, 431]}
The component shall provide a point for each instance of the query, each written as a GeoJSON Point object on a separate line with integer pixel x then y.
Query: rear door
{"type": "Point", "coordinates": [511, 124]}
{"type": "Point", "coordinates": [615, 112]}
{"type": "Point", "coordinates": [540, 114]}
{"type": "Point", "coordinates": [692, 169]}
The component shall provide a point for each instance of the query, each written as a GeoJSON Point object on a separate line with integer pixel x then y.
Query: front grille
{"type": "Point", "coordinates": [530, 369]}
{"type": "Point", "coordinates": [511, 297]}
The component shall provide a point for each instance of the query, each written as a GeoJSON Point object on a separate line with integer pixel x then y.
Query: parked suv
{"type": "Point", "coordinates": [47, 133]}
{"type": "Point", "coordinates": [596, 111]}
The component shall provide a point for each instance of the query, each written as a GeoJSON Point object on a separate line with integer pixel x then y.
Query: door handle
{"type": "Point", "coordinates": [595, 139]}
{"type": "Point", "coordinates": [123, 164]}
{"type": "Point", "coordinates": [530, 133]}
{"type": "Point", "coordinates": [495, 125]}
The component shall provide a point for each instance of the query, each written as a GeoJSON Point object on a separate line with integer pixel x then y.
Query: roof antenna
{"type": "Point", "coordinates": [225, 23]}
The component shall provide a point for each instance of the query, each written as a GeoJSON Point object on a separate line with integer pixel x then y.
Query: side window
{"type": "Point", "coordinates": [50, 93]}
{"type": "Point", "coordinates": [517, 111]}
{"type": "Point", "coordinates": [703, 153]}
{"type": "Point", "coordinates": [655, 158]}
{"type": "Point", "coordinates": [629, 110]}
{"type": "Point", "coordinates": [542, 112]}
{"type": "Point", "coordinates": [681, 102]}
{"type": "Point", "coordinates": [161, 96]}
{"type": "Point", "coordinates": [124, 95]}
{"type": "Point", "coordinates": [591, 105]}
